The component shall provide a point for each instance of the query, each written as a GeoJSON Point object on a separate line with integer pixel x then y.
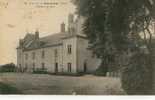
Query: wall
{"type": "Point", "coordinates": [70, 58]}
{"type": "Point", "coordinates": [79, 55]}
{"type": "Point", "coordinates": [19, 57]}
{"type": "Point", "coordinates": [85, 55]}
{"type": "Point", "coordinates": [49, 58]}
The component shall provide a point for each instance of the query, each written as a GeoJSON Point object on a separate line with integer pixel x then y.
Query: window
{"type": "Point", "coordinates": [33, 55]}
{"type": "Point", "coordinates": [26, 65]}
{"type": "Point", "coordinates": [93, 55]}
{"type": "Point", "coordinates": [69, 49]}
{"type": "Point", "coordinates": [43, 66]}
{"type": "Point", "coordinates": [20, 65]}
{"type": "Point", "coordinates": [43, 54]}
{"type": "Point", "coordinates": [26, 56]}
{"type": "Point", "coordinates": [69, 67]}
{"type": "Point", "coordinates": [56, 53]}
{"type": "Point", "coordinates": [20, 55]}
{"type": "Point", "coordinates": [33, 66]}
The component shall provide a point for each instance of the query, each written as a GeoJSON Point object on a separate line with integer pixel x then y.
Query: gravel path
{"type": "Point", "coordinates": [51, 84]}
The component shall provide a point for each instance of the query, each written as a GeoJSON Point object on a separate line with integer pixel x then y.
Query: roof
{"type": "Point", "coordinates": [30, 42]}
{"type": "Point", "coordinates": [53, 39]}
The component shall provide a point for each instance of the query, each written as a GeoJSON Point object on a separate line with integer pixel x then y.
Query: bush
{"type": "Point", "coordinates": [68, 74]}
{"type": "Point", "coordinates": [8, 68]}
{"type": "Point", "coordinates": [136, 78]}
{"type": "Point", "coordinates": [40, 71]}
{"type": "Point", "coordinates": [7, 89]}
{"type": "Point", "coordinates": [102, 70]}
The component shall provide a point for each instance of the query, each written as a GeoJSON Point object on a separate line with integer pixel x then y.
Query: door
{"type": "Point", "coordinates": [85, 67]}
{"type": "Point", "coordinates": [69, 67]}
{"type": "Point", "coordinates": [56, 67]}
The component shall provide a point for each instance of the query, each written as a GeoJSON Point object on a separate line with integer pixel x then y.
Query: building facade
{"type": "Point", "coordinates": [64, 52]}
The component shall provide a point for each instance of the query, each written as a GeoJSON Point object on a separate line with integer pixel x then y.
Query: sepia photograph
{"type": "Point", "coordinates": [77, 47]}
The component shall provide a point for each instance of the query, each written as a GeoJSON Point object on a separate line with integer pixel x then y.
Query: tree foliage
{"type": "Point", "coordinates": [8, 68]}
{"type": "Point", "coordinates": [118, 26]}
{"type": "Point", "coordinates": [136, 77]}
{"type": "Point", "coordinates": [112, 21]}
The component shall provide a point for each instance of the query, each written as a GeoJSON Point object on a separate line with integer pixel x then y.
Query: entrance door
{"type": "Point", "coordinates": [85, 67]}
{"type": "Point", "coordinates": [56, 67]}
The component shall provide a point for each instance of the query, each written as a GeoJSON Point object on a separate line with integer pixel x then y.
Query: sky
{"type": "Point", "coordinates": [19, 17]}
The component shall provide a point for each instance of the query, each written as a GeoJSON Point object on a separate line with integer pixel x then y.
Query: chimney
{"type": "Point", "coordinates": [21, 43]}
{"type": "Point", "coordinates": [37, 39]}
{"type": "Point", "coordinates": [37, 34]}
{"type": "Point", "coordinates": [63, 27]}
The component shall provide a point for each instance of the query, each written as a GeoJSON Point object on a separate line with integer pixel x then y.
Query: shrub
{"type": "Point", "coordinates": [67, 74]}
{"type": "Point", "coordinates": [136, 78]}
{"type": "Point", "coordinates": [40, 71]}
{"type": "Point", "coordinates": [8, 68]}
{"type": "Point", "coordinates": [7, 89]}
{"type": "Point", "coordinates": [102, 70]}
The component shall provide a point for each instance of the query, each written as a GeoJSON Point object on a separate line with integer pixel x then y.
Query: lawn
{"type": "Point", "coordinates": [7, 89]}
{"type": "Point", "coordinates": [66, 85]}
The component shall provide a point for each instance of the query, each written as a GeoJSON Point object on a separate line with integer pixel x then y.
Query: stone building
{"type": "Point", "coordinates": [64, 52]}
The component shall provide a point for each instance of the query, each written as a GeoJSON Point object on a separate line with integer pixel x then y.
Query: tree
{"type": "Point", "coordinates": [8, 67]}
{"type": "Point", "coordinates": [116, 26]}
{"type": "Point", "coordinates": [136, 78]}
{"type": "Point", "coordinates": [95, 12]}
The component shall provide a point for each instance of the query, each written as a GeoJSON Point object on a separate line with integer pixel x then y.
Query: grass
{"type": "Point", "coordinates": [60, 84]}
{"type": "Point", "coordinates": [7, 89]}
